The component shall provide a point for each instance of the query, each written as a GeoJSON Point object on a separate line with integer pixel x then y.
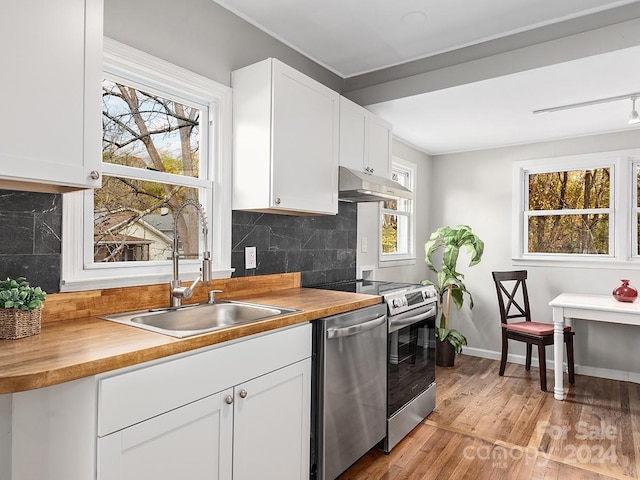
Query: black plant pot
{"type": "Point", "coordinates": [445, 354]}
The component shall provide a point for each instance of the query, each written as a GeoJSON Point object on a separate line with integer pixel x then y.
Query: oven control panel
{"type": "Point", "coordinates": [410, 298]}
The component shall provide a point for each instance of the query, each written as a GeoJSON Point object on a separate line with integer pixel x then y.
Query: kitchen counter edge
{"type": "Point", "coordinates": [83, 347]}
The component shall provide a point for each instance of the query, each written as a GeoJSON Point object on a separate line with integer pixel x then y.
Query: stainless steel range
{"type": "Point", "coordinates": [409, 388]}
{"type": "Point", "coordinates": [411, 371]}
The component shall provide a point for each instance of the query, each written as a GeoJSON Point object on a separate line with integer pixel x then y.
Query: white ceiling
{"type": "Point", "coordinates": [352, 37]}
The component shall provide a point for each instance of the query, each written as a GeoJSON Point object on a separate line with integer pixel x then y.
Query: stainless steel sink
{"type": "Point", "coordinates": [191, 320]}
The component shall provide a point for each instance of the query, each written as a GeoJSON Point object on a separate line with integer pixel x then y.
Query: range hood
{"type": "Point", "coordinates": [354, 186]}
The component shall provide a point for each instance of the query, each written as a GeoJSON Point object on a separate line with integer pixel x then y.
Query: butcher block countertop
{"type": "Point", "coordinates": [74, 343]}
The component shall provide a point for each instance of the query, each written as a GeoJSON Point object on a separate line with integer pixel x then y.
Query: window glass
{"type": "Point", "coordinates": [636, 215]}
{"type": "Point", "coordinates": [397, 219]}
{"type": "Point", "coordinates": [133, 214]}
{"type": "Point", "coordinates": [568, 212]}
{"type": "Point", "coordinates": [148, 131]}
{"type": "Point", "coordinates": [166, 141]}
{"type": "Point", "coordinates": [130, 212]}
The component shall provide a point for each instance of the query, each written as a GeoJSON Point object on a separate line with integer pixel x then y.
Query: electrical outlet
{"type": "Point", "coordinates": [363, 245]}
{"type": "Point", "coordinates": [250, 258]}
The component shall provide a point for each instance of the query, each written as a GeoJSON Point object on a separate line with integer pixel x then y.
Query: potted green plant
{"type": "Point", "coordinates": [448, 241]}
{"type": "Point", "coordinates": [20, 308]}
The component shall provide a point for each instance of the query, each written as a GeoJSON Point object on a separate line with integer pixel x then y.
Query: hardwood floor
{"type": "Point", "coordinates": [490, 427]}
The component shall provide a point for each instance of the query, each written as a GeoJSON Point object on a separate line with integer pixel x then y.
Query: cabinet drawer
{"type": "Point", "coordinates": [128, 398]}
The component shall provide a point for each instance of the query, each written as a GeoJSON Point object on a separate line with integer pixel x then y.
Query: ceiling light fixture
{"type": "Point", "coordinates": [633, 119]}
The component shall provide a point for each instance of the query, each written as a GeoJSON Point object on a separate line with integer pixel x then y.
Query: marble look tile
{"type": "Point", "coordinates": [322, 248]}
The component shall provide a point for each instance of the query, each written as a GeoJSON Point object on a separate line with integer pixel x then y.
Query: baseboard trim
{"type": "Point", "coordinates": [580, 369]}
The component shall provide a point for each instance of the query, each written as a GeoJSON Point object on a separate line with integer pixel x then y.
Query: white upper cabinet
{"type": "Point", "coordinates": [365, 140]}
{"type": "Point", "coordinates": [285, 141]}
{"type": "Point", "coordinates": [50, 130]}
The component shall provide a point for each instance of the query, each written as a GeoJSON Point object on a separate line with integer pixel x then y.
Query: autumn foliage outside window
{"type": "Point", "coordinates": [569, 212]}
{"type": "Point", "coordinates": [397, 218]}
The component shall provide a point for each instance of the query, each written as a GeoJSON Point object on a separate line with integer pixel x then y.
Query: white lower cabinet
{"type": "Point", "coordinates": [271, 425]}
{"type": "Point", "coordinates": [259, 429]}
{"type": "Point", "coordinates": [191, 442]}
{"type": "Point", "coordinates": [154, 423]}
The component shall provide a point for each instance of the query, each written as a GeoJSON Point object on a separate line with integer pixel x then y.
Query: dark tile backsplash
{"type": "Point", "coordinates": [30, 237]}
{"type": "Point", "coordinates": [323, 247]}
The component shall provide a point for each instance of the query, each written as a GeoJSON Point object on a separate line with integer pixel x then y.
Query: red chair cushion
{"type": "Point", "coordinates": [534, 328]}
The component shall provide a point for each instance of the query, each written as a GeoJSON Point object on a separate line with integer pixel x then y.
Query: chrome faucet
{"type": "Point", "coordinates": [178, 292]}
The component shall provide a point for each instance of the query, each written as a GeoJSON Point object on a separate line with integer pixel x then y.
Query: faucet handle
{"type": "Point", "coordinates": [212, 296]}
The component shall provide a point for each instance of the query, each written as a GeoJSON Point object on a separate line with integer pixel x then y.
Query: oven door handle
{"type": "Point", "coordinates": [397, 324]}
{"type": "Point", "coordinates": [355, 329]}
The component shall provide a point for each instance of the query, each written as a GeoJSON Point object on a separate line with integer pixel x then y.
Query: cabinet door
{"type": "Point", "coordinates": [272, 425]}
{"type": "Point", "coordinates": [354, 135]}
{"type": "Point", "coordinates": [193, 441]}
{"type": "Point", "coordinates": [50, 96]}
{"type": "Point", "coordinates": [305, 143]}
{"type": "Point", "coordinates": [379, 147]}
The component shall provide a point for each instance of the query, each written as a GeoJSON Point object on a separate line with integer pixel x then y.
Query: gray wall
{"type": "Point", "coordinates": [475, 188]}
{"type": "Point", "coordinates": [201, 36]}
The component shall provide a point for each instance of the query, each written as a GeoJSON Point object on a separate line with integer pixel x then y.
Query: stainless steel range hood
{"type": "Point", "coordinates": [354, 186]}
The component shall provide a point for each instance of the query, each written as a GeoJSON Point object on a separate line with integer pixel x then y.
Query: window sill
{"type": "Point", "coordinates": [77, 285]}
{"type": "Point", "coordinates": [398, 262]}
{"type": "Point", "coordinates": [599, 263]}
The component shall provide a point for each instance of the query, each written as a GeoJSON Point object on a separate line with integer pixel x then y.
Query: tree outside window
{"type": "Point", "coordinates": [397, 219]}
{"type": "Point", "coordinates": [145, 132]}
{"type": "Point", "coordinates": [568, 211]}
{"type": "Point", "coordinates": [166, 140]}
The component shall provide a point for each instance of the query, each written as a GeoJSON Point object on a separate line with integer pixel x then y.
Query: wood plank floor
{"type": "Point", "coordinates": [490, 427]}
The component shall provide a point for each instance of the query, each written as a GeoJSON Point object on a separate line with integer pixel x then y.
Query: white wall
{"type": "Point", "coordinates": [475, 188]}
{"type": "Point", "coordinates": [368, 222]}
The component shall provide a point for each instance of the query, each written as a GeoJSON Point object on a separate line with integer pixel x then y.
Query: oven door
{"type": "Point", "coordinates": [411, 363]}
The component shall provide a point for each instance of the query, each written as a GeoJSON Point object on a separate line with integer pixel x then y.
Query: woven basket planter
{"type": "Point", "coordinates": [19, 323]}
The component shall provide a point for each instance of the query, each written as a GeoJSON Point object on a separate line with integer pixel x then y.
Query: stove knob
{"type": "Point", "coordinates": [397, 302]}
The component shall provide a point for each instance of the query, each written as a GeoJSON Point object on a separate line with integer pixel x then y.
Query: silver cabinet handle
{"type": "Point", "coordinates": [94, 175]}
{"type": "Point", "coordinates": [243, 393]}
{"type": "Point", "coordinates": [229, 399]}
{"type": "Point", "coordinates": [354, 329]}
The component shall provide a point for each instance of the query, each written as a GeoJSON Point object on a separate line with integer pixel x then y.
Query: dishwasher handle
{"type": "Point", "coordinates": [355, 329]}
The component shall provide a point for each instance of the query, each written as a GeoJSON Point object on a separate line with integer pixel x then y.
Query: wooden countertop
{"type": "Point", "coordinates": [70, 349]}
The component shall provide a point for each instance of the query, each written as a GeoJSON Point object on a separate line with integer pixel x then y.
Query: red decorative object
{"type": "Point", "coordinates": [625, 292]}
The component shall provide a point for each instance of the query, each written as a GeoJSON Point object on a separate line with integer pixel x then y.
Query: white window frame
{"type": "Point", "coordinates": [139, 69]}
{"type": "Point", "coordinates": [399, 259]}
{"type": "Point", "coordinates": [622, 224]}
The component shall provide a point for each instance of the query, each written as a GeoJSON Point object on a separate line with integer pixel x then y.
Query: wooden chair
{"type": "Point", "coordinates": [532, 333]}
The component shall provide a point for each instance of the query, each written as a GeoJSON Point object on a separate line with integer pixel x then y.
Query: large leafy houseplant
{"type": "Point", "coordinates": [448, 241]}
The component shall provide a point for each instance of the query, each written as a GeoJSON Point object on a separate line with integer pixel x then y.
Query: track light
{"type": "Point", "coordinates": [634, 117]}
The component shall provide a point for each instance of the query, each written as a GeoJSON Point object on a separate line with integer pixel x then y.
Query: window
{"type": "Point", "coordinates": [577, 208]}
{"type": "Point", "coordinates": [166, 140]}
{"type": "Point", "coordinates": [397, 230]}
{"type": "Point", "coordinates": [568, 211]}
{"type": "Point", "coordinates": [635, 211]}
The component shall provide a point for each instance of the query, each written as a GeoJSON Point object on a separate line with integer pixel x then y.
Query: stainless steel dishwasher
{"type": "Point", "coordinates": [349, 404]}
